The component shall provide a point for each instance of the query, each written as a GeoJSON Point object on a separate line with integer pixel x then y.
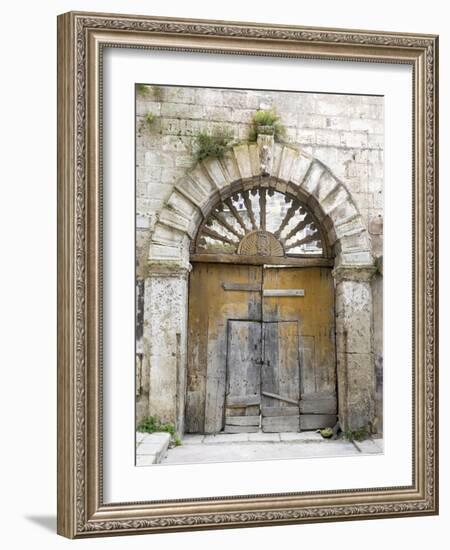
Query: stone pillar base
{"type": "Point", "coordinates": [164, 342]}
{"type": "Point", "coordinates": [355, 361]}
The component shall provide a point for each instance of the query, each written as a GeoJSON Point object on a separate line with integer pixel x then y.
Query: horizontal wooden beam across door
{"type": "Point", "coordinates": [242, 287]}
{"type": "Point", "coordinates": [284, 292]}
{"type": "Point", "coordinates": [263, 260]}
{"type": "Point", "coordinates": [281, 398]}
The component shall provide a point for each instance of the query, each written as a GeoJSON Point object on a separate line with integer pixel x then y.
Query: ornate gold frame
{"type": "Point", "coordinates": [81, 37]}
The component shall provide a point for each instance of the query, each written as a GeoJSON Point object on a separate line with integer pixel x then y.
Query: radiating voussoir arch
{"type": "Point", "coordinates": [315, 198]}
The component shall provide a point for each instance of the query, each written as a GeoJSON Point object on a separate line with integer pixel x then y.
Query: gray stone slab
{"type": "Point", "coordinates": [145, 460]}
{"type": "Point", "coordinates": [157, 437]}
{"type": "Point", "coordinates": [152, 445]}
{"type": "Point", "coordinates": [149, 448]}
{"type": "Point", "coordinates": [301, 436]}
{"type": "Point", "coordinates": [264, 437]}
{"type": "Point", "coordinates": [369, 446]}
{"type": "Point", "coordinates": [193, 439]}
{"type": "Point", "coordinates": [250, 451]}
{"type": "Point", "coordinates": [226, 438]}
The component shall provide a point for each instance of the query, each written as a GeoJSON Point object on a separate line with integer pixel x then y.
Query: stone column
{"type": "Point", "coordinates": [354, 348]}
{"type": "Point", "coordinates": [164, 342]}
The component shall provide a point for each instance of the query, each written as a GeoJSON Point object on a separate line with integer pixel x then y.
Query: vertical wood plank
{"type": "Point", "coordinates": [244, 353]}
{"type": "Point", "coordinates": [280, 373]}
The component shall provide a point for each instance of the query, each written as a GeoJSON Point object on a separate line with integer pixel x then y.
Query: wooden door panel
{"type": "Point", "coordinates": [244, 353]}
{"type": "Point", "coordinates": [276, 424]}
{"type": "Point", "coordinates": [280, 371]}
{"type": "Point", "coordinates": [244, 361]}
{"type": "Point", "coordinates": [313, 308]}
{"type": "Point", "coordinates": [280, 386]}
{"type": "Point", "coordinates": [308, 367]}
{"type": "Point", "coordinates": [210, 307]}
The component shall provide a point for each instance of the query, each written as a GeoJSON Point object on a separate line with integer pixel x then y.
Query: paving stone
{"type": "Point", "coordinates": [252, 450]}
{"type": "Point", "coordinates": [145, 460]}
{"type": "Point", "coordinates": [157, 437]}
{"type": "Point", "coordinates": [149, 448]}
{"type": "Point", "coordinates": [152, 445]}
{"type": "Point", "coordinates": [301, 436]}
{"type": "Point", "coordinates": [226, 438]}
{"type": "Point", "coordinates": [370, 446]}
{"type": "Point", "coordinates": [193, 439]}
{"type": "Point", "coordinates": [264, 437]}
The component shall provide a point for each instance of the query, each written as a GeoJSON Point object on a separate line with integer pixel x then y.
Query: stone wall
{"type": "Point", "coordinates": [344, 132]}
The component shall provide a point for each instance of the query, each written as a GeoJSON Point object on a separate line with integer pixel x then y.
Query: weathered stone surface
{"type": "Point", "coordinates": [326, 186]}
{"type": "Point", "coordinates": [174, 219]}
{"type": "Point", "coordinates": [243, 161]}
{"type": "Point", "coordinates": [255, 161]}
{"type": "Point", "coordinates": [200, 176]}
{"type": "Point", "coordinates": [312, 178]}
{"type": "Point", "coordinates": [230, 165]}
{"type": "Point", "coordinates": [369, 446]}
{"type": "Point", "coordinates": [215, 172]}
{"type": "Point", "coordinates": [191, 189]}
{"type": "Point", "coordinates": [288, 157]}
{"type": "Point", "coordinates": [164, 342]}
{"type": "Point", "coordinates": [355, 366]}
{"type": "Point", "coordinates": [151, 448]}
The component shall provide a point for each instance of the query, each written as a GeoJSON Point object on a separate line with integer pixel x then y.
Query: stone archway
{"type": "Point", "coordinates": [289, 170]}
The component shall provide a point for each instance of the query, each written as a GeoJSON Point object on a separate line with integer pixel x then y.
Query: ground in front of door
{"type": "Point", "coordinates": [197, 449]}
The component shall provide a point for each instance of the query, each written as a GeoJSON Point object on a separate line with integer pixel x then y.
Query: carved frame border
{"type": "Point", "coordinates": [81, 37]}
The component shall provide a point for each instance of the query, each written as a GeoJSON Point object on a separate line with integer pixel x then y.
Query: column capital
{"type": "Point", "coordinates": [353, 273]}
{"type": "Point", "coordinates": [167, 269]}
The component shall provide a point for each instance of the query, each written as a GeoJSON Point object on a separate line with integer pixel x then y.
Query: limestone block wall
{"type": "Point", "coordinates": [345, 132]}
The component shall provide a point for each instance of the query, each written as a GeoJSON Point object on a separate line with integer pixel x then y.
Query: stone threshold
{"type": "Point", "coordinates": [261, 437]}
{"type": "Point", "coordinates": [151, 448]}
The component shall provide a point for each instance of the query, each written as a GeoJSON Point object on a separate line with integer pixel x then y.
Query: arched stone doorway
{"type": "Point", "coordinates": [173, 245]}
{"type": "Point", "coordinates": [261, 335]}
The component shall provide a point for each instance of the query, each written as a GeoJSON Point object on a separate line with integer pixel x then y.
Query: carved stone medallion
{"type": "Point", "coordinates": [260, 243]}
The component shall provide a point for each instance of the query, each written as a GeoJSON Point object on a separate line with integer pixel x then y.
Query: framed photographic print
{"type": "Point", "coordinates": [247, 278]}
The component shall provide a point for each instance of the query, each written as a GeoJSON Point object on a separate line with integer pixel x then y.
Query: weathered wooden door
{"type": "Point", "coordinates": [261, 351]}
{"type": "Point", "coordinates": [243, 388]}
{"type": "Point", "coordinates": [280, 377]}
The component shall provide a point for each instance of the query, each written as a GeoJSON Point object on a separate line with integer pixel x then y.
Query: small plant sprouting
{"type": "Point", "coordinates": [149, 118]}
{"type": "Point", "coordinates": [326, 432]}
{"type": "Point", "coordinates": [357, 435]}
{"type": "Point", "coordinates": [142, 89]}
{"type": "Point", "coordinates": [213, 145]}
{"type": "Point", "coordinates": [146, 123]}
{"type": "Point", "coordinates": [267, 122]}
{"type": "Point", "coordinates": [152, 424]}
